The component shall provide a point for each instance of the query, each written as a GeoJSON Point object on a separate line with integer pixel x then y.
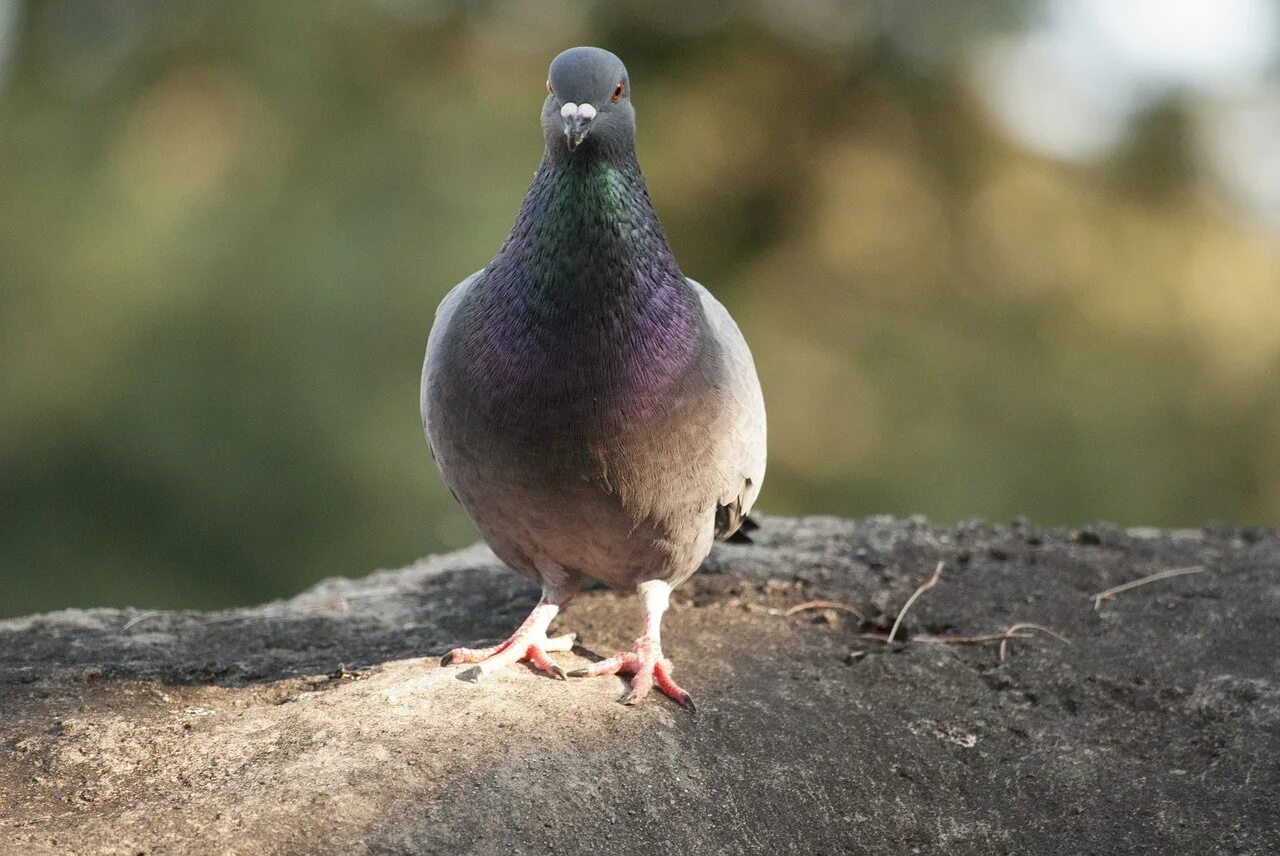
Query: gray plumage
{"type": "Point", "coordinates": [595, 412]}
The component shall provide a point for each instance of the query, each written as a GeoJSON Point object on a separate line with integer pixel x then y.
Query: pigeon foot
{"type": "Point", "coordinates": [647, 667]}
{"type": "Point", "coordinates": [523, 646]}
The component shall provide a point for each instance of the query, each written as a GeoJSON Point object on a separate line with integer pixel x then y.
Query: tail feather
{"type": "Point", "coordinates": [740, 534]}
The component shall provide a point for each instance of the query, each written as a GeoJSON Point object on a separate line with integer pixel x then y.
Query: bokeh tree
{"type": "Point", "coordinates": [994, 258]}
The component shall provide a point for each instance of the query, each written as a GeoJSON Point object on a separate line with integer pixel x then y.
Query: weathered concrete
{"type": "Point", "coordinates": [1157, 730]}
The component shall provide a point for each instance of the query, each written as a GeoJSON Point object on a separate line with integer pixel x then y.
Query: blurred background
{"type": "Point", "coordinates": [993, 257]}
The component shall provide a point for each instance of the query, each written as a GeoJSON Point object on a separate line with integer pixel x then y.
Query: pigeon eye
{"type": "Point", "coordinates": [550, 88]}
{"type": "Point", "coordinates": [617, 92]}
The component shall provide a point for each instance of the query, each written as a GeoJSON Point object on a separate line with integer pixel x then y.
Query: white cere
{"type": "Point", "coordinates": [580, 111]}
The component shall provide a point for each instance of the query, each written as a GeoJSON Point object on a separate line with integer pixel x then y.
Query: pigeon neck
{"type": "Point", "coordinates": [590, 225]}
{"type": "Point", "coordinates": [585, 302]}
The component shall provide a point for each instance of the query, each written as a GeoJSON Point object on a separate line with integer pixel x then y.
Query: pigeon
{"type": "Point", "coordinates": [595, 412]}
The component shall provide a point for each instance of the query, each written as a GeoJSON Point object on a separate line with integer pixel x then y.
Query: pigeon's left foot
{"type": "Point", "coordinates": [647, 667]}
{"type": "Point", "coordinates": [528, 643]}
{"type": "Point", "coordinates": [644, 662]}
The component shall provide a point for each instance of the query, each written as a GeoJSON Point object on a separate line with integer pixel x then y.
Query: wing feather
{"type": "Point", "coordinates": [745, 462]}
{"type": "Point", "coordinates": [444, 314]}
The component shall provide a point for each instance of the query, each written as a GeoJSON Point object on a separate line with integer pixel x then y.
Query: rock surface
{"type": "Point", "coordinates": [324, 724]}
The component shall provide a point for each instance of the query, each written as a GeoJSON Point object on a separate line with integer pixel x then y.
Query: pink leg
{"type": "Point", "coordinates": [529, 643]}
{"type": "Point", "coordinates": [644, 662]}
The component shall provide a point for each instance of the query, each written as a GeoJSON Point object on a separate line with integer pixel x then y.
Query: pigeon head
{"type": "Point", "coordinates": [589, 102]}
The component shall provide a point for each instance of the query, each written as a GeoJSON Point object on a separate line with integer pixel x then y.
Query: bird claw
{"type": "Point", "coordinates": [647, 667]}
{"type": "Point", "coordinates": [528, 647]}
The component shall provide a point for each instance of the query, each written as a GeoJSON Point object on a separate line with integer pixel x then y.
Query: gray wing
{"type": "Point", "coordinates": [743, 470]}
{"type": "Point", "coordinates": [444, 314]}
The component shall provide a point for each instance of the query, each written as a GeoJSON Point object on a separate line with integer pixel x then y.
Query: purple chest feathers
{"type": "Point", "coordinates": [615, 353]}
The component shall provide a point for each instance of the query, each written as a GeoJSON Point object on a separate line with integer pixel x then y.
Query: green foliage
{"type": "Point", "coordinates": [224, 230]}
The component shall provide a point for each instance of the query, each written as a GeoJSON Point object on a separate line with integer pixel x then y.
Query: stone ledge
{"type": "Point", "coordinates": [324, 725]}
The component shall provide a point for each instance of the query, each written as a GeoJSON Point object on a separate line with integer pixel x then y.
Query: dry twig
{"type": "Point", "coordinates": [138, 619]}
{"type": "Point", "coordinates": [1026, 625]}
{"type": "Point", "coordinates": [1016, 631]}
{"type": "Point", "coordinates": [952, 640]}
{"type": "Point", "coordinates": [1110, 593]}
{"type": "Point", "coordinates": [932, 581]}
{"type": "Point", "coordinates": [825, 604]}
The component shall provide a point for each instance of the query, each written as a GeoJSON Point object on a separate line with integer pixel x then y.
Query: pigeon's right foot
{"type": "Point", "coordinates": [529, 647]}
{"type": "Point", "coordinates": [529, 643]}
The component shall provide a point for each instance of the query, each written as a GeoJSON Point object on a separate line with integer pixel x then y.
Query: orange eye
{"type": "Point", "coordinates": [617, 92]}
{"type": "Point", "coordinates": [550, 88]}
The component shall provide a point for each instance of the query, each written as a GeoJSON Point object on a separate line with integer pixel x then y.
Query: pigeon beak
{"type": "Point", "coordinates": [577, 122]}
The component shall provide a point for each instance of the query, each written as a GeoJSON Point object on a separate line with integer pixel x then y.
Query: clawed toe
{"type": "Point", "coordinates": [647, 668]}
{"type": "Point", "coordinates": [520, 647]}
{"type": "Point", "coordinates": [471, 655]}
{"type": "Point", "coordinates": [632, 697]}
